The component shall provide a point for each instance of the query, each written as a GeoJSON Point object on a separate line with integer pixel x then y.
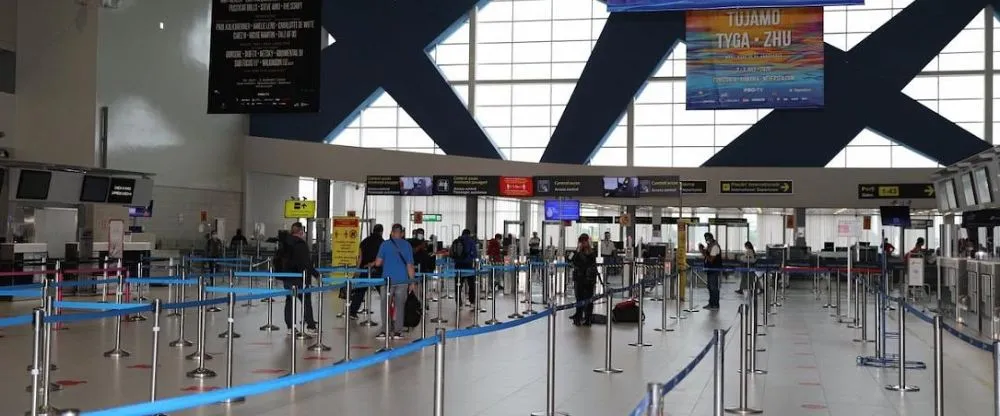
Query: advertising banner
{"type": "Point", "coordinates": [755, 58]}
{"type": "Point", "coordinates": [265, 57]}
{"type": "Point", "coordinates": [345, 242]}
{"type": "Point", "coordinates": [666, 5]}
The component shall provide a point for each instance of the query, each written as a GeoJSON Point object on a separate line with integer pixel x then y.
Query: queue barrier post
{"type": "Point", "coordinates": [996, 378]}
{"type": "Point", "coordinates": [458, 302]}
{"type": "Point", "coordinates": [230, 322]}
{"type": "Point", "coordinates": [386, 319]}
{"type": "Point", "coordinates": [269, 326]}
{"type": "Point", "coordinates": [516, 290]}
{"type": "Point", "coordinates": [439, 372]}
{"type": "Point", "coordinates": [744, 407]}
{"type": "Point", "coordinates": [608, 369]}
{"type": "Point", "coordinates": [318, 346]}
{"type": "Point", "coordinates": [663, 306]}
{"type": "Point", "coordinates": [493, 296]}
{"type": "Point", "coordinates": [38, 324]}
{"type": "Point", "coordinates": [425, 306]}
{"type": "Point", "coordinates": [171, 291]}
{"type": "Point", "coordinates": [718, 378]}
{"type": "Point", "coordinates": [679, 303]}
{"type": "Point", "coordinates": [479, 295]}
{"type": "Point", "coordinates": [639, 343]}
{"type": "Point", "coordinates": [117, 351]}
{"type": "Point", "coordinates": [901, 385]}
{"type": "Point", "coordinates": [529, 297]}
{"type": "Point", "coordinates": [201, 355]}
{"type": "Point", "coordinates": [829, 290]}
{"type": "Point", "coordinates": [368, 305]}
{"type": "Point", "coordinates": [155, 354]}
{"type": "Point", "coordinates": [104, 277]}
{"type": "Point", "coordinates": [690, 295]}
{"type": "Point", "coordinates": [654, 395]}
{"type": "Point", "coordinates": [300, 331]}
{"type": "Point", "coordinates": [347, 328]}
{"type": "Point", "coordinates": [229, 331]}
{"type": "Point", "coordinates": [862, 303]}
{"type": "Point", "coordinates": [180, 342]}
{"type": "Point", "coordinates": [475, 303]}
{"type": "Point", "coordinates": [550, 366]}
{"type": "Point", "coordinates": [938, 367]}
{"type": "Point", "coordinates": [766, 302]}
{"type": "Point", "coordinates": [440, 319]}
{"type": "Point", "coordinates": [753, 334]}
{"type": "Point", "coordinates": [293, 355]}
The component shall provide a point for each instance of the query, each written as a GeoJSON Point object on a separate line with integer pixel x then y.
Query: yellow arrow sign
{"type": "Point", "coordinates": [929, 190]}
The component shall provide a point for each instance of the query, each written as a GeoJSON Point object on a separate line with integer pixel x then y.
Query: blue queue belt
{"type": "Point", "coordinates": [21, 293]}
{"type": "Point", "coordinates": [98, 306]}
{"type": "Point", "coordinates": [15, 321]}
{"type": "Point", "coordinates": [276, 275]}
{"type": "Point", "coordinates": [78, 283]}
{"type": "Point", "coordinates": [161, 281]}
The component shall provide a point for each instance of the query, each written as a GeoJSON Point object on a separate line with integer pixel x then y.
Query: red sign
{"type": "Point", "coordinates": [518, 186]}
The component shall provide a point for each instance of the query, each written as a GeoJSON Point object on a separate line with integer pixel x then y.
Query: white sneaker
{"type": "Point", "coordinates": [381, 335]}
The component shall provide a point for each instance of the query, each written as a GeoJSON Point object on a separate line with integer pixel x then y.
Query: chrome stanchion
{"type": "Point", "coordinates": [608, 369]}
{"type": "Point", "coordinates": [229, 331]}
{"type": "Point", "coordinates": [38, 325]}
{"type": "Point", "coordinates": [663, 309]}
{"type": "Point", "coordinates": [250, 283]}
{"type": "Point", "coordinates": [492, 282]}
{"type": "Point", "coordinates": [517, 282]}
{"type": "Point", "coordinates": [529, 297]}
{"type": "Point", "coordinates": [439, 319]}
{"type": "Point", "coordinates": [318, 346]}
{"type": "Point", "coordinates": [424, 306]}
{"type": "Point", "coordinates": [117, 351]}
{"type": "Point", "coordinates": [386, 319]}
{"type": "Point", "coordinates": [269, 326]}
{"type": "Point", "coordinates": [638, 342]}
{"type": "Point", "coordinates": [368, 307]}
{"type": "Point", "coordinates": [901, 385]}
{"type": "Point", "coordinates": [155, 355]}
{"type": "Point", "coordinates": [862, 303]}
{"type": "Point", "coordinates": [855, 313]}
{"type": "Point", "coordinates": [301, 335]}
{"type": "Point", "coordinates": [550, 367]}
{"type": "Point", "coordinates": [104, 277]}
{"type": "Point", "coordinates": [493, 289]}
{"type": "Point", "coordinates": [766, 303]}
{"type": "Point", "coordinates": [829, 291]}
{"type": "Point", "coordinates": [691, 308]}
{"type": "Point", "coordinates": [475, 305]}
{"type": "Point", "coordinates": [439, 372]}
{"type": "Point", "coordinates": [654, 395]}
{"type": "Point", "coordinates": [717, 376]}
{"type": "Point", "coordinates": [744, 406]}
{"type": "Point", "coordinates": [171, 291]}
{"type": "Point", "coordinates": [996, 378]}
{"type": "Point", "coordinates": [293, 355]}
{"type": "Point", "coordinates": [678, 304]}
{"type": "Point", "coordinates": [938, 368]}
{"type": "Point", "coordinates": [200, 354]}
{"type": "Point", "coordinates": [753, 334]}
{"type": "Point", "coordinates": [180, 342]}
{"type": "Point", "coordinates": [347, 328]}
{"type": "Point", "coordinates": [230, 322]}
{"type": "Point", "coordinates": [837, 312]}
{"type": "Point", "coordinates": [458, 301]}
{"type": "Point", "coordinates": [270, 284]}
{"type": "Point", "coordinates": [49, 367]}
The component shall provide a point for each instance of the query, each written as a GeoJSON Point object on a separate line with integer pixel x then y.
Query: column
{"type": "Point", "coordinates": [398, 216]}
{"type": "Point", "coordinates": [800, 227]}
{"type": "Point", "coordinates": [472, 215]}
{"type": "Point", "coordinates": [657, 215]}
{"type": "Point", "coordinates": [338, 200]}
{"type": "Point", "coordinates": [323, 207]}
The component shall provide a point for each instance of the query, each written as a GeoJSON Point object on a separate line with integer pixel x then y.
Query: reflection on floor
{"type": "Point", "coordinates": [810, 361]}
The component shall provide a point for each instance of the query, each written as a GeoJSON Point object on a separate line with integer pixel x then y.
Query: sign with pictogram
{"type": "Point", "coordinates": [300, 209]}
{"type": "Point", "coordinates": [896, 191]}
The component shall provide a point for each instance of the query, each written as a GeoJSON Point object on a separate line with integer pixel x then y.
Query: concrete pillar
{"type": "Point", "coordinates": [398, 216]}
{"type": "Point", "coordinates": [338, 203]}
{"type": "Point", "coordinates": [800, 227]}
{"type": "Point", "coordinates": [657, 214]}
{"type": "Point", "coordinates": [472, 215]}
{"type": "Point", "coordinates": [323, 208]}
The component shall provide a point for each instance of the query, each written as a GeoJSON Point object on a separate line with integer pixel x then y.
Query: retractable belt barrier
{"type": "Point", "coordinates": [191, 401]}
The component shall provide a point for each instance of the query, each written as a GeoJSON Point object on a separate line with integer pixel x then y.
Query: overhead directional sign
{"type": "Point", "coordinates": [694, 187]}
{"type": "Point", "coordinates": [300, 209]}
{"type": "Point", "coordinates": [896, 191]}
{"type": "Point", "coordinates": [777, 187]}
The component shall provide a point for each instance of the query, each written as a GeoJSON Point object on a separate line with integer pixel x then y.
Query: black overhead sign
{"type": "Point", "coordinates": [569, 186]}
{"type": "Point", "coordinates": [596, 219]}
{"type": "Point", "coordinates": [756, 187]}
{"type": "Point", "coordinates": [466, 185]}
{"type": "Point", "coordinates": [896, 191]}
{"type": "Point", "coordinates": [382, 185]}
{"type": "Point", "coordinates": [694, 187]}
{"type": "Point", "coordinates": [121, 191]}
{"type": "Point", "coordinates": [981, 218]}
{"type": "Point", "coordinates": [668, 186]}
{"type": "Point", "coordinates": [265, 56]}
{"type": "Point", "coordinates": [727, 221]}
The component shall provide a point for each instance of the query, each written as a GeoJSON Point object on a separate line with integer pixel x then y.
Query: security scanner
{"type": "Point", "coordinates": [732, 234]}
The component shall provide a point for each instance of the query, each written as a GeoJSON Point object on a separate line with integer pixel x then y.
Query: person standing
{"type": "Point", "coordinates": [295, 259]}
{"type": "Point", "coordinates": [466, 261]}
{"type": "Point", "coordinates": [366, 260]}
{"type": "Point", "coordinates": [750, 257]}
{"type": "Point", "coordinates": [535, 247]}
{"type": "Point", "coordinates": [713, 263]}
{"type": "Point", "coordinates": [584, 279]}
{"type": "Point", "coordinates": [395, 256]}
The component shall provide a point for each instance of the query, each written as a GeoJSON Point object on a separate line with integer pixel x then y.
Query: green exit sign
{"type": "Point", "coordinates": [429, 217]}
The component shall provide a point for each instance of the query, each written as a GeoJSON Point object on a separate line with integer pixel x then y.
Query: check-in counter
{"type": "Point", "coordinates": [969, 300]}
{"type": "Point", "coordinates": [955, 298]}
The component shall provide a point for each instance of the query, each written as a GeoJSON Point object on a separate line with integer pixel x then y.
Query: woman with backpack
{"type": "Point", "coordinates": [584, 279]}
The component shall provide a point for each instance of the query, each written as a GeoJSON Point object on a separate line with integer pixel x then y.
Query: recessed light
{"type": "Point", "coordinates": [161, 25]}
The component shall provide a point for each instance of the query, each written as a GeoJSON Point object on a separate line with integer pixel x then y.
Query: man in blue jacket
{"type": "Point", "coordinates": [395, 257]}
{"type": "Point", "coordinates": [470, 252]}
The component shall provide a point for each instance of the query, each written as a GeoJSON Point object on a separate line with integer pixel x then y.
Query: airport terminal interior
{"type": "Point", "coordinates": [499, 207]}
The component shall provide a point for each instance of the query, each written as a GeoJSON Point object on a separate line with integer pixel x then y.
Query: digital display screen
{"type": "Point", "coordinates": [621, 187]}
{"type": "Point", "coordinates": [896, 216]}
{"type": "Point", "coordinates": [949, 193]}
{"type": "Point", "coordinates": [33, 184]}
{"type": "Point", "coordinates": [122, 190]}
{"type": "Point", "coordinates": [95, 188]}
{"type": "Point", "coordinates": [562, 210]}
{"type": "Point", "coordinates": [981, 177]}
{"type": "Point", "coordinates": [416, 185]}
{"type": "Point", "coordinates": [968, 190]}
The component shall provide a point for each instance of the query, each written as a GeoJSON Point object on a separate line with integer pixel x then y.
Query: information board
{"type": "Point", "coordinates": [783, 187]}
{"type": "Point", "coordinates": [755, 58]}
{"type": "Point", "coordinates": [300, 209]}
{"type": "Point", "coordinates": [345, 242]}
{"type": "Point", "coordinates": [663, 186]}
{"type": "Point", "coordinates": [896, 191]}
{"type": "Point", "coordinates": [466, 185]}
{"type": "Point", "coordinates": [569, 186]}
{"type": "Point", "coordinates": [666, 5]}
{"type": "Point", "coordinates": [265, 56]}
{"type": "Point", "coordinates": [694, 187]}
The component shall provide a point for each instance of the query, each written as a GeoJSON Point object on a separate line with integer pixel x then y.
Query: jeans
{"type": "Point", "coordinates": [583, 290]}
{"type": "Point", "coordinates": [358, 297]}
{"type": "Point", "coordinates": [306, 299]}
{"type": "Point", "coordinates": [713, 289]}
{"type": "Point", "coordinates": [398, 294]}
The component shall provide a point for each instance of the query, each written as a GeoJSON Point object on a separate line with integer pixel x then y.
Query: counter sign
{"type": "Point", "coordinates": [896, 191]}
{"type": "Point", "coordinates": [778, 187]}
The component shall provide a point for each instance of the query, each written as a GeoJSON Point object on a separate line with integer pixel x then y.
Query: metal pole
{"type": "Point", "coordinates": [270, 326]}
{"type": "Point", "coordinates": [938, 368]}
{"type": "Point", "coordinates": [655, 398]}
{"type": "Point", "coordinates": [550, 367]}
{"type": "Point", "coordinates": [38, 324]}
{"type": "Point", "coordinates": [493, 320]}
{"type": "Point", "coordinates": [104, 277]}
{"type": "Point", "coordinates": [439, 319]}
{"type": "Point", "coordinates": [678, 308]}
{"type": "Point", "coordinates": [829, 290]}
{"type": "Point", "coordinates": [901, 386]}
{"type": "Point", "coordinates": [475, 304]}
{"type": "Point", "coordinates": [318, 346]}
{"type": "Point", "coordinates": [517, 282]}
{"type": "Point", "coordinates": [229, 331]}
{"type": "Point", "coordinates": [347, 328]}
{"type": "Point", "coordinates": [863, 312]}
{"type": "Point", "coordinates": [996, 378]}
{"type": "Point", "coordinates": [690, 295]}
{"type": "Point", "coordinates": [171, 291]}
{"type": "Point", "coordinates": [529, 298]}
{"type": "Point", "coordinates": [663, 308]}
{"type": "Point", "coordinates": [201, 355]}
{"type": "Point", "coordinates": [608, 369]}
{"type": "Point", "coordinates": [837, 313]}
{"type": "Point", "coordinates": [717, 376]}
{"type": "Point", "coordinates": [230, 322]}
{"type": "Point", "coordinates": [458, 300]}
{"type": "Point", "coordinates": [117, 351]}
{"type": "Point", "coordinates": [368, 307]}
{"type": "Point", "coordinates": [293, 365]}
{"type": "Point", "coordinates": [180, 342]}
{"type": "Point", "coordinates": [155, 360]}
{"type": "Point", "coordinates": [302, 335]}
{"type": "Point", "coordinates": [424, 305]}
{"type": "Point", "coordinates": [639, 343]}
{"type": "Point", "coordinates": [439, 371]}
{"type": "Point", "coordinates": [744, 407]}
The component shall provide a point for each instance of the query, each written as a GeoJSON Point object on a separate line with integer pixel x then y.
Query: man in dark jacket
{"type": "Point", "coordinates": [369, 252]}
{"type": "Point", "coordinates": [296, 259]}
{"type": "Point", "coordinates": [467, 262]}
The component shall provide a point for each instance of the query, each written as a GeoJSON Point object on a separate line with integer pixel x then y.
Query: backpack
{"type": "Point", "coordinates": [412, 311]}
{"type": "Point", "coordinates": [457, 251]}
{"type": "Point", "coordinates": [627, 312]}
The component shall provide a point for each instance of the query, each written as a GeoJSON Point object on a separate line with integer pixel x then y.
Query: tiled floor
{"type": "Point", "coordinates": [810, 361]}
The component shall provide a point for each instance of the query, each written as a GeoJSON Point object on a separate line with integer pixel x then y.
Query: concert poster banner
{"type": "Point", "coordinates": [755, 58]}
